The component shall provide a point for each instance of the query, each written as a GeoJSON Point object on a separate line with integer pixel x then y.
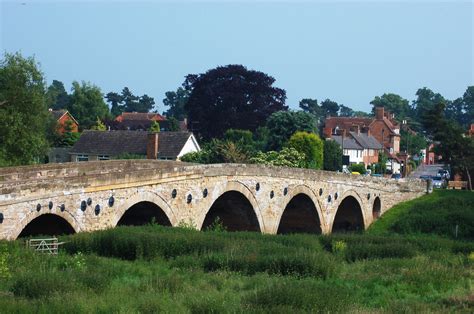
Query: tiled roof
{"type": "Point", "coordinates": [143, 116]}
{"type": "Point", "coordinates": [366, 141]}
{"type": "Point", "coordinates": [114, 143]}
{"type": "Point", "coordinates": [170, 144]}
{"type": "Point", "coordinates": [111, 143]}
{"type": "Point", "coordinates": [349, 143]}
{"type": "Point", "coordinates": [58, 113]}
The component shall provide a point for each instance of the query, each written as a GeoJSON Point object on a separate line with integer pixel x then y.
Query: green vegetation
{"type": "Point", "coordinates": [158, 269]}
{"type": "Point", "coordinates": [311, 146]}
{"type": "Point", "coordinates": [438, 213]}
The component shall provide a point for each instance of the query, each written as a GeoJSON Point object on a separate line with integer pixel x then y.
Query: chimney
{"type": "Point", "coordinates": [379, 113]}
{"type": "Point", "coordinates": [368, 131]}
{"type": "Point", "coordinates": [358, 130]}
{"type": "Point", "coordinates": [327, 132]}
{"type": "Point", "coordinates": [152, 146]}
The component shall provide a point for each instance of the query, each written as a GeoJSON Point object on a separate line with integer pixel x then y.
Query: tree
{"type": "Point", "coordinates": [87, 104]}
{"type": "Point", "coordinates": [56, 96]}
{"type": "Point", "coordinates": [128, 102]}
{"type": "Point", "coordinates": [329, 108]}
{"type": "Point", "coordinates": [287, 157]}
{"type": "Point", "coordinates": [412, 141]}
{"type": "Point", "coordinates": [455, 149]}
{"type": "Point", "coordinates": [173, 124]}
{"type": "Point", "coordinates": [99, 126]}
{"type": "Point", "coordinates": [145, 104]}
{"type": "Point", "coordinates": [311, 106]}
{"type": "Point", "coordinates": [176, 102]}
{"type": "Point", "coordinates": [231, 97]}
{"type": "Point", "coordinates": [23, 111]}
{"type": "Point", "coordinates": [362, 114]}
{"type": "Point", "coordinates": [311, 146]}
{"type": "Point", "coordinates": [115, 100]}
{"type": "Point", "coordinates": [154, 127]}
{"type": "Point", "coordinates": [281, 125]}
{"type": "Point", "coordinates": [461, 110]}
{"type": "Point", "coordinates": [393, 103]}
{"type": "Point", "coordinates": [345, 111]}
{"type": "Point", "coordinates": [332, 159]}
{"type": "Point", "coordinates": [425, 101]}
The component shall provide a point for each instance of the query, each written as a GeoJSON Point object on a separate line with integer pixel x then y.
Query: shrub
{"type": "Point", "coordinates": [311, 146]}
{"type": "Point", "coordinates": [360, 168]}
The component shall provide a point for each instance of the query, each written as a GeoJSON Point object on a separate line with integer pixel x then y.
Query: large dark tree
{"type": "Point", "coordinates": [231, 97]}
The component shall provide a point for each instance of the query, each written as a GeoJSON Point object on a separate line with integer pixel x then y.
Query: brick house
{"type": "Point", "coordinates": [63, 118]}
{"type": "Point", "coordinates": [105, 145]}
{"type": "Point", "coordinates": [382, 127]}
{"type": "Point", "coordinates": [360, 147]}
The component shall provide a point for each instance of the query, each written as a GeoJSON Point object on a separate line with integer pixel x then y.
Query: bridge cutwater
{"type": "Point", "coordinates": [83, 197]}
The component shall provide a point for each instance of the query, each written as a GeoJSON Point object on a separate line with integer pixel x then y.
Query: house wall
{"type": "Point", "coordinates": [389, 141]}
{"type": "Point", "coordinates": [190, 146]}
{"type": "Point", "coordinates": [355, 155]}
{"type": "Point", "coordinates": [62, 123]}
{"type": "Point", "coordinates": [371, 156]}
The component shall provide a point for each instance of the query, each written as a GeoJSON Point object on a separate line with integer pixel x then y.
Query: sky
{"type": "Point", "coordinates": [347, 51]}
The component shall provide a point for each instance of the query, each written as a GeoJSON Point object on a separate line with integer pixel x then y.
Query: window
{"type": "Point", "coordinates": [103, 157]}
{"type": "Point", "coordinates": [82, 158]}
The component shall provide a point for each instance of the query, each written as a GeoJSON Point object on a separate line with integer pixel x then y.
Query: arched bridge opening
{"type": "Point", "coordinates": [300, 216]}
{"type": "Point", "coordinates": [234, 211]}
{"type": "Point", "coordinates": [376, 208]}
{"type": "Point", "coordinates": [47, 224]}
{"type": "Point", "coordinates": [348, 216]}
{"type": "Point", "coordinates": [144, 213]}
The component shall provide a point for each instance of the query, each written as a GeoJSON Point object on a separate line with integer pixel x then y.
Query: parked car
{"type": "Point", "coordinates": [376, 175]}
{"type": "Point", "coordinates": [396, 176]}
{"type": "Point", "coordinates": [438, 182]}
{"type": "Point", "coordinates": [425, 177]}
{"type": "Point", "coordinates": [444, 173]}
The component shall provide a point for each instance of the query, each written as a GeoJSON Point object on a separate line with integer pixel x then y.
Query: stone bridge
{"type": "Point", "coordinates": [88, 196]}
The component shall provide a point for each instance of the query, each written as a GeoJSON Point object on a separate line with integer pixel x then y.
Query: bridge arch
{"type": "Point", "coordinates": [302, 213]}
{"type": "Point", "coordinates": [350, 214]}
{"type": "Point", "coordinates": [50, 223]}
{"type": "Point", "coordinates": [376, 208]}
{"type": "Point", "coordinates": [145, 204]}
{"type": "Point", "coordinates": [237, 209]}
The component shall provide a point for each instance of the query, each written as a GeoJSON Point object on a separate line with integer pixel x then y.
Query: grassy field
{"type": "Point", "coordinates": [404, 263]}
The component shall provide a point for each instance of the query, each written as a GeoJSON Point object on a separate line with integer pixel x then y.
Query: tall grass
{"type": "Point", "coordinates": [152, 269]}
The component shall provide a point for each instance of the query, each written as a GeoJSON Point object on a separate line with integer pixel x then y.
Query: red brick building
{"type": "Point", "coordinates": [382, 127]}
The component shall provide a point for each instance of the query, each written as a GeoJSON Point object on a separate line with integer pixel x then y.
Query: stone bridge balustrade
{"type": "Point", "coordinates": [77, 197]}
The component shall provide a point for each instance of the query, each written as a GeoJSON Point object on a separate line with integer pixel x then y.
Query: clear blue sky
{"type": "Point", "coordinates": [346, 51]}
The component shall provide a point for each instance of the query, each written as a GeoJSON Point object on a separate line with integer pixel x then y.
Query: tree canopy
{"type": "Point", "coordinates": [393, 103]}
{"type": "Point", "coordinates": [231, 97]}
{"type": "Point", "coordinates": [126, 101]}
{"type": "Point", "coordinates": [311, 146]}
{"type": "Point", "coordinates": [281, 125]}
{"type": "Point", "coordinates": [176, 102]}
{"type": "Point", "coordinates": [23, 111]}
{"type": "Point", "coordinates": [56, 96]}
{"type": "Point", "coordinates": [87, 104]}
